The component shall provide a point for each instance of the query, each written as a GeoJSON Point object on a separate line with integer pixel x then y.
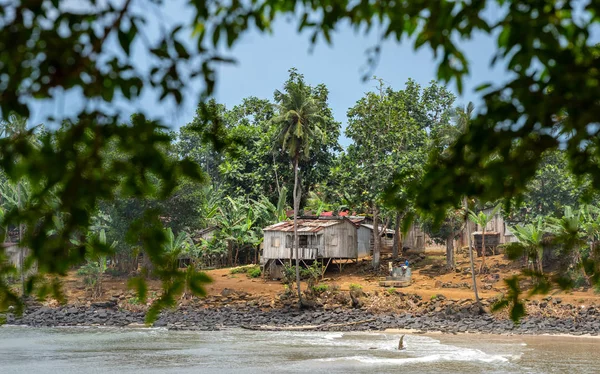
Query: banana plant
{"type": "Point", "coordinates": [531, 240]}
{"type": "Point", "coordinates": [177, 244]}
{"type": "Point", "coordinates": [316, 204]}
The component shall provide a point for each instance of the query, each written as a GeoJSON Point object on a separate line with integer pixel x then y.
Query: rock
{"type": "Point", "coordinates": [72, 311]}
{"type": "Point", "coordinates": [227, 292]}
{"type": "Point", "coordinates": [106, 304]}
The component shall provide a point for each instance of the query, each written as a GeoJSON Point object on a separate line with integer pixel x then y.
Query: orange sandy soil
{"type": "Point", "coordinates": [426, 281]}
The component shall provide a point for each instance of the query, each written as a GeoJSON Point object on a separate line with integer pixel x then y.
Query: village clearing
{"type": "Point", "coordinates": [429, 279]}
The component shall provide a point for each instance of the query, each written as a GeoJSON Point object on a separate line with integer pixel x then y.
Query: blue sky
{"type": "Point", "coordinates": [263, 62]}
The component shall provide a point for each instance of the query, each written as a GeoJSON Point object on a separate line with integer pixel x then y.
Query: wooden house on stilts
{"type": "Point", "coordinates": [322, 239]}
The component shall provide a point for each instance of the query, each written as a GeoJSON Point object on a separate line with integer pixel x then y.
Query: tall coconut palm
{"type": "Point", "coordinates": [482, 220]}
{"type": "Point", "coordinates": [298, 121]}
{"type": "Point", "coordinates": [449, 134]}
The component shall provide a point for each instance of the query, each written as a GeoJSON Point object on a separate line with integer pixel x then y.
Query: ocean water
{"type": "Point", "coordinates": [114, 350]}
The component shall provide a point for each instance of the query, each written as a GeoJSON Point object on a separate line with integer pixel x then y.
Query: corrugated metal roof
{"type": "Point", "coordinates": [304, 225]}
{"type": "Point", "coordinates": [356, 219]}
{"type": "Point", "coordinates": [370, 227]}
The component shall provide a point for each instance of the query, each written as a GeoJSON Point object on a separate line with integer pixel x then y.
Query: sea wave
{"type": "Point", "coordinates": [467, 355]}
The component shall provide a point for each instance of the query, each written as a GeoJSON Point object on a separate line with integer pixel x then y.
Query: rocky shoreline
{"type": "Point", "coordinates": [446, 316]}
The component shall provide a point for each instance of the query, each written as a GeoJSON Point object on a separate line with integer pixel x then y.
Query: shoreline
{"type": "Point", "coordinates": [394, 331]}
{"type": "Point", "coordinates": [199, 318]}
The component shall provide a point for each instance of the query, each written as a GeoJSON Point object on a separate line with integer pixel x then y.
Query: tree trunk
{"type": "Point", "coordinates": [482, 268]}
{"type": "Point", "coordinates": [21, 249]}
{"type": "Point", "coordinates": [296, 239]}
{"type": "Point", "coordinates": [471, 251]}
{"type": "Point", "coordinates": [229, 253]}
{"type": "Point", "coordinates": [397, 247]}
{"type": "Point", "coordinates": [376, 239]}
{"type": "Point", "coordinates": [450, 253]}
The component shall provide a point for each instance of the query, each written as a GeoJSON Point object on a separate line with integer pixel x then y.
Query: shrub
{"type": "Point", "coordinates": [355, 287]}
{"type": "Point", "coordinates": [241, 269]}
{"type": "Point", "coordinates": [114, 272]}
{"type": "Point", "coordinates": [433, 297]}
{"type": "Point", "coordinates": [134, 300]}
{"type": "Point", "coordinates": [91, 273]}
{"type": "Point", "coordinates": [320, 288]}
{"type": "Point", "coordinates": [391, 291]}
{"type": "Point", "coordinates": [254, 272]}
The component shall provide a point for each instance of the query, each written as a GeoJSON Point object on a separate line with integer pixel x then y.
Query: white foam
{"type": "Point", "coordinates": [333, 336]}
{"type": "Point", "coordinates": [457, 356]}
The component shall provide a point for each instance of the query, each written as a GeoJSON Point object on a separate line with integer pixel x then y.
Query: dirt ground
{"type": "Point", "coordinates": [428, 279]}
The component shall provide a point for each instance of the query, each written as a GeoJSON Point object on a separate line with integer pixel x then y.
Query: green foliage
{"type": "Point", "coordinates": [450, 228]}
{"type": "Point", "coordinates": [254, 272]}
{"type": "Point", "coordinates": [313, 272]}
{"type": "Point", "coordinates": [92, 276]}
{"type": "Point", "coordinates": [552, 189]}
{"type": "Point", "coordinates": [355, 287]}
{"type": "Point", "coordinates": [298, 118]}
{"type": "Point", "coordinates": [320, 288]}
{"type": "Point", "coordinates": [289, 275]}
{"type": "Point", "coordinates": [134, 300]}
{"type": "Point", "coordinates": [537, 109]}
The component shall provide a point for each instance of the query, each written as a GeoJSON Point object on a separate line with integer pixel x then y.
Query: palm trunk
{"type": "Point", "coordinates": [296, 239]}
{"type": "Point", "coordinates": [482, 268]}
{"type": "Point", "coordinates": [376, 239]}
{"type": "Point", "coordinates": [471, 252]}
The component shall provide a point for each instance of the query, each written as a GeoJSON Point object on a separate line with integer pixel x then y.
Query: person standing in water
{"type": "Point", "coordinates": [401, 344]}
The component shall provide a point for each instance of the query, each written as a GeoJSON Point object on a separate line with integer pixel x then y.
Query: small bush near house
{"type": "Point", "coordinates": [254, 272]}
{"type": "Point", "coordinates": [355, 287]}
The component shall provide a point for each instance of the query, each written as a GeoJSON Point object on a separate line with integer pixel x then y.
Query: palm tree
{"type": "Point", "coordinates": [449, 134]}
{"type": "Point", "coordinates": [462, 117]}
{"type": "Point", "coordinates": [531, 240]}
{"type": "Point", "coordinates": [471, 260]}
{"type": "Point", "coordinates": [482, 220]}
{"type": "Point", "coordinates": [298, 122]}
{"type": "Point", "coordinates": [573, 230]}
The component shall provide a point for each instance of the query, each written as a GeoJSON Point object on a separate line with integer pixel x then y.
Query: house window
{"type": "Point", "coordinates": [275, 242]}
{"type": "Point", "coordinates": [333, 240]}
{"type": "Point", "coordinates": [303, 241]}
